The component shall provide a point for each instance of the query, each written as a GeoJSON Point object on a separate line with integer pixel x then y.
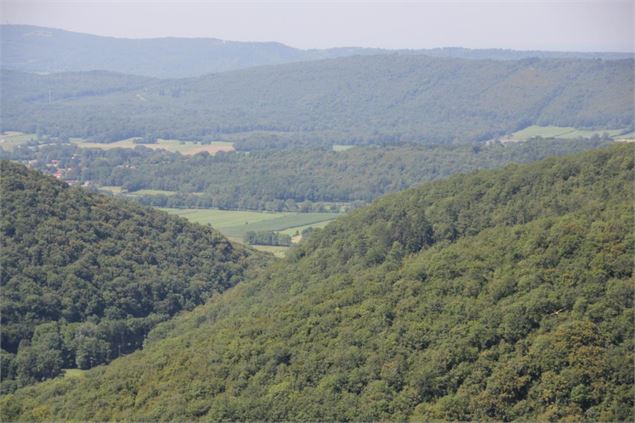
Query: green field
{"type": "Point", "coordinates": [175, 146]}
{"type": "Point", "coordinates": [149, 192]}
{"type": "Point", "coordinates": [342, 147]}
{"type": "Point", "coordinates": [558, 132]}
{"type": "Point", "coordinates": [277, 251]}
{"type": "Point", "coordinates": [119, 191]}
{"type": "Point", "coordinates": [224, 218]}
{"type": "Point", "coordinates": [290, 221]}
{"type": "Point", "coordinates": [234, 224]}
{"type": "Point", "coordinates": [111, 189]}
{"type": "Point", "coordinates": [299, 229]}
{"type": "Point", "coordinates": [11, 139]}
{"type": "Point", "coordinates": [69, 373]}
{"type": "Point", "coordinates": [627, 136]}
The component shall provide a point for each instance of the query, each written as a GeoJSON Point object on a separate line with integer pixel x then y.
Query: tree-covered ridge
{"type": "Point", "coordinates": [46, 50]}
{"type": "Point", "coordinates": [352, 100]}
{"type": "Point", "coordinates": [501, 295]}
{"type": "Point", "coordinates": [293, 180]}
{"type": "Point", "coordinates": [85, 277]}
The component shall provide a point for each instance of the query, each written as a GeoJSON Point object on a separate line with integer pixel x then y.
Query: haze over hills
{"type": "Point", "coordinates": [501, 295]}
{"type": "Point", "coordinates": [281, 180]}
{"type": "Point", "coordinates": [490, 295]}
{"type": "Point", "coordinates": [352, 100]}
{"type": "Point", "coordinates": [46, 50]}
{"type": "Point", "coordinates": [85, 277]}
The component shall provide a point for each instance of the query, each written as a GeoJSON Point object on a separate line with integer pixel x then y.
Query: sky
{"type": "Point", "coordinates": [565, 25]}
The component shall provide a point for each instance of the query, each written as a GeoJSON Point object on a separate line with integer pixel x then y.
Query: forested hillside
{"type": "Point", "coordinates": [85, 277]}
{"type": "Point", "coordinates": [45, 50]}
{"type": "Point", "coordinates": [352, 100]}
{"type": "Point", "coordinates": [502, 295]}
{"type": "Point", "coordinates": [282, 180]}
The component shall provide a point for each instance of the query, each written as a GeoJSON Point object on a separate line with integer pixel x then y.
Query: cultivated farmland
{"type": "Point", "coordinates": [188, 148]}
{"type": "Point", "coordinates": [559, 132]}
{"type": "Point", "coordinates": [236, 223]}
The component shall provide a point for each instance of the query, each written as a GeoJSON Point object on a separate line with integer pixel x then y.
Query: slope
{"type": "Point", "coordinates": [353, 100]}
{"type": "Point", "coordinates": [38, 49]}
{"type": "Point", "coordinates": [85, 277]}
{"type": "Point", "coordinates": [281, 180]}
{"type": "Point", "coordinates": [498, 295]}
{"type": "Point", "coordinates": [45, 50]}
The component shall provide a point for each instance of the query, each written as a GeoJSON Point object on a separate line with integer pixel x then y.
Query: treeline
{"type": "Point", "coordinates": [85, 277]}
{"type": "Point", "coordinates": [290, 180]}
{"type": "Point", "coordinates": [385, 99]}
{"type": "Point", "coordinates": [267, 238]}
{"type": "Point", "coordinates": [172, 57]}
{"type": "Point", "coordinates": [502, 295]}
{"type": "Point", "coordinates": [59, 345]}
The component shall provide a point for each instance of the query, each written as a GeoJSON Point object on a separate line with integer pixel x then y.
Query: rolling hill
{"type": "Point", "coordinates": [47, 50]}
{"type": "Point", "coordinates": [500, 295]}
{"type": "Point", "coordinates": [85, 277]}
{"type": "Point", "coordinates": [281, 180]}
{"type": "Point", "coordinates": [354, 100]}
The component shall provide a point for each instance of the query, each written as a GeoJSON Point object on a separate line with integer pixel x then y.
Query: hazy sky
{"type": "Point", "coordinates": [581, 25]}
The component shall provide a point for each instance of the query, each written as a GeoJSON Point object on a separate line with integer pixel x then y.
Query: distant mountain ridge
{"type": "Point", "coordinates": [47, 50]}
{"type": "Point", "coordinates": [383, 99]}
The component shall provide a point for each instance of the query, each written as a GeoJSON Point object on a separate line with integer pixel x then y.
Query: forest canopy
{"type": "Point", "coordinates": [85, 277]}
{"type": "Point", "coordinates": [383, 99]}
{"type": "Point", "coordinates": [310, 179]}
{"type": "Point", "coordinates": [501, 295]}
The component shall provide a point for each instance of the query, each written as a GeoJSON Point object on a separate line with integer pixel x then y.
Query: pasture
{"type": "Point", "coordinates": [292, 231]}
{"type": "Point", "coordinates": [111, 189]}
{"type": "Point", "coordinates": [74, 373]}
{"type": "Point", "coordinates": [11, 139]}
{"type": "Point", "coordinates": [234, 224]}
{"type": "Point", "coordinates": [175, 146]}
{"type": "Point", "coordinates": [626, 137]}
{"type": "Point", "coordinates": [142, 192]}
{"type": "Point", "coordinates": [558, 132]}
{"type": "Point", "coordinates": [342, 147]}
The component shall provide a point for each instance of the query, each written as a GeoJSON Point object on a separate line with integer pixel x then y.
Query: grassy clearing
{"type": "Point", "coordinates": [558, 132]}
{"type": "Point", "coordinates": [225, 218]}
{"type": "Point", "coordinates": [290, 222]}
{"type": "Point", "coordinates": [111, 189]}
{"type": "Point", "coordinates": [299, 229]}
{"type": "Point", "coordinates": [150, 192]}
{"type": "Point", "coordinates": [69, 373]}
{"type": "Point", "coordinates": [11, 139]}
{"type": "Point", "coordinates": [235, 224]}
{"type": "Point", "coordinates": [120, 191]}
{"type": "Point", "coordinates": [627, 136]}
{"type": "Point", "coordinates": [175, 146]}
{"type": "Point", "coordinates": [341, 147]}
{"type": "Point", "coordinates": [275, 250]}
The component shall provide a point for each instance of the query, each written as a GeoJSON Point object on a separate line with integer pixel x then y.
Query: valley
{"type": "Point", "coordinates": [235, 224]}
{"type": "Point", "coordinates": [198, 229]}
{"type": "Point", "coordinates": [460, 299]}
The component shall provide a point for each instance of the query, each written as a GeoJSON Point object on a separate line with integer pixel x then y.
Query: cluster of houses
{"type": "Point", "coordinates": [53, 167]}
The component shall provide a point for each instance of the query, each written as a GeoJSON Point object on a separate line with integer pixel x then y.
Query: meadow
{"type": "Point", "coordinates": [626, 137]}
{"type": "Point", "coordinates": [73, 373]}
{"type": "Point", "coordinates": [563, 132]}
{"type": "Point", "coordinates": [11, 139]}
{"type": "Point", "coordinates": [342, 147]}
{"type": "Point", "coordinates": [234, 224]}
{"type": "Point", "coordinates": [187, 148]}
